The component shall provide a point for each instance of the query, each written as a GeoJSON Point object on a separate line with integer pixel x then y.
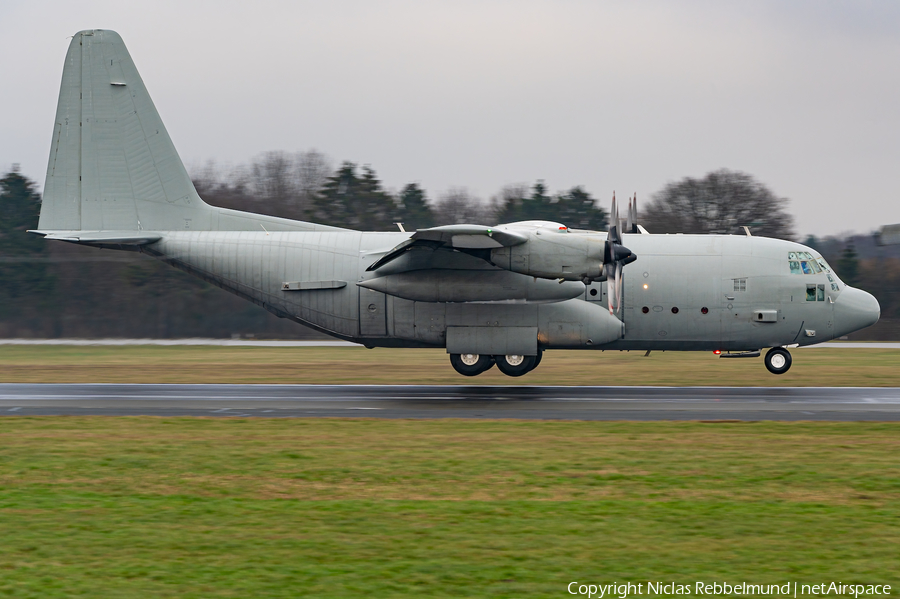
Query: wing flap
{"type": "Point", "coordinates": [453, 236]}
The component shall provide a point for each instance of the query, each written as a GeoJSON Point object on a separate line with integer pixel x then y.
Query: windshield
{"type": "Point", "coordinates": [804, 263]}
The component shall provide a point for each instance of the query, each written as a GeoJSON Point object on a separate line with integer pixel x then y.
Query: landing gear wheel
{"type": "Point", "coordinates": [778, 360]}
{"type": "Point", "coordinates": [514, 365]}
{"type": "Point", "coordinates": [537, 358]}
{"type": "Point", "coordinates": [470, 364]}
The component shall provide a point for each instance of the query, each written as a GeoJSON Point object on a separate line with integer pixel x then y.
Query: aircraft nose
{"type": "Point", "coordinates": [854, 309]}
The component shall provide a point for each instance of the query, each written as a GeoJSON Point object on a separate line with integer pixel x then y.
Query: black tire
{"type": "Point", "coordinates": [778, 360]}
{"type": "Point", "coordinates": [515, 365]}
{"type": "Point", "coordinates": [471, 364]}
{"type": "Point", "coordinates": [537, 358]}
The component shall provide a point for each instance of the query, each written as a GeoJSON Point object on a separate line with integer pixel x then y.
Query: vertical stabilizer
{"type": "Point", "coordinates": [112, 164]}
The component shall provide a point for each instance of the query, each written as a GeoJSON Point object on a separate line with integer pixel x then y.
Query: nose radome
{"type": "Point", "coordinates": [854, 309]}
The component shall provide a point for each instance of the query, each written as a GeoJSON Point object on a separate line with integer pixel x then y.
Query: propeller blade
{"type": "Point", "coordinates": [634, 217]}
{"type": "Point", "coordinates": [614, 233]}
{"type": "Point", "coordinates": [629, 222]}
{"type": "Point", "coordinates": [618, 286]}
{"type": "Point", "coordinates": [610, 290]}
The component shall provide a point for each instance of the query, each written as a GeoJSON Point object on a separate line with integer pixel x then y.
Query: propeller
{"type": "Point", "coordinates": [631, 219]}
{"type": "Point", "coordinates": [616, 255]}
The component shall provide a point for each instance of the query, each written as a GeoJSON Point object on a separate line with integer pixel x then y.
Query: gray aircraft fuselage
{"type": "Point", "coordinates": [489, 295]}
{"type": "Point", "coordinates": [752, 299]}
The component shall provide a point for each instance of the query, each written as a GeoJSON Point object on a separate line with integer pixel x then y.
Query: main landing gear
{"type": "Point", "coordinates": [778, 360]}
{"type": "Point", "coordinates": [511, 365]}
{"type": "Point", "coordinates": [471, 364]}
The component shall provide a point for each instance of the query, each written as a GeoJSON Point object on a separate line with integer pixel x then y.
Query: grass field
{"type": "Point", "coordinates": [153, 364]}
{"type": "Point", "coordinates": [151, 507]}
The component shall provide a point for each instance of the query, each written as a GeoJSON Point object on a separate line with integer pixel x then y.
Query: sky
{"type": "Point", "coordinates": [623, 96]}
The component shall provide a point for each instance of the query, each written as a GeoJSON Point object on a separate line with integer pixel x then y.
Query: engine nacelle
{"type": "Point", "coordinates": [568, 256]}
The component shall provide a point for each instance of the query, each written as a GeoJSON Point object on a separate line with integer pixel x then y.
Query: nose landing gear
{"type": "Point", "coordinates": [778, 360]}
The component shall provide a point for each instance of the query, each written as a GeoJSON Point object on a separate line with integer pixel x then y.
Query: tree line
{"type": "Point", "coordinates": [304, 186]}
{"type": "Point", "coordinates": [61, 290]}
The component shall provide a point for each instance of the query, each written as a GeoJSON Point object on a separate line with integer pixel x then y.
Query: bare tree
{"type": "Point", "coordinates": [721, 202]}
{"type": "Point", "coordinates": [459, 206]}
{"type": "Point", "coordinates": [273, 180]}
{"type": "Point", "coordinates": [313, 169]}
{"type": "Point", "coordinates": [509, 194]}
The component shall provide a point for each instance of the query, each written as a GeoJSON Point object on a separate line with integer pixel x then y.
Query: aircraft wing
{"type": "Point", "coordinates": [471, 237]}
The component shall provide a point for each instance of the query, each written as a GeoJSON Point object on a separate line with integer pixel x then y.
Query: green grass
{"type": "Point", "coordinates": [180, 507]}
{"type": "Point", "coordinates": [832, 367]}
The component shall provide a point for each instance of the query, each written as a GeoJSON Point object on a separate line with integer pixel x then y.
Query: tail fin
{"type": "Point", "coordinates": [112, 164]}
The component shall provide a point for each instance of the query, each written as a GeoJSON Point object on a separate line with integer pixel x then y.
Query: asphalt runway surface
{"type": "Point", "coordinates": [321, 343]}
{"type": "Point", "coordinates": [484, 402]}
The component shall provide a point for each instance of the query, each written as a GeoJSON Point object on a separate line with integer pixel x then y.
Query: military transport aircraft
{"type": "Point", "coordinates": [488, 294]}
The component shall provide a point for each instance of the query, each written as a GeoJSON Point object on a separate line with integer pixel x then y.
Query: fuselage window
{"type": "Point", "coordinates": [810, 293]}
{"type": "Point", "coordinates": [740, 284]}
{"type": "Point", "coordinates": [820, 293]}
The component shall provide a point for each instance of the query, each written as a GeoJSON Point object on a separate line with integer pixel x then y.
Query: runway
{"type": "Point", "coordinates": [485, 402]}
{"type": "Point", "coordinates": [202, 341]}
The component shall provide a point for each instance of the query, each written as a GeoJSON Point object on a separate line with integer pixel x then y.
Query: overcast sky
{"type": "Point", "coordinates": [623, 96]}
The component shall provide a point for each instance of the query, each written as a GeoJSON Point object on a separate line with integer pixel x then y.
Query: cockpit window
{"type": "Point", "coordinates": [804, 263]}
{"type": "Point", "coordinates": [815, 293]}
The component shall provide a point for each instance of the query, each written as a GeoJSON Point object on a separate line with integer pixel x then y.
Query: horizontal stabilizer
{"type": "Point", "coordinates": [134, 238]}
